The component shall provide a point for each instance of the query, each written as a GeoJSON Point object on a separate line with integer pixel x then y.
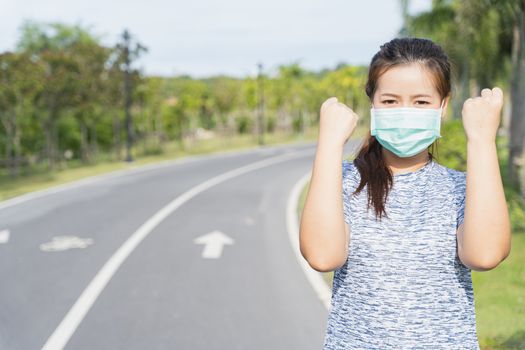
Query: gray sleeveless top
{"type": "Point", "coordinates": [403, 285]}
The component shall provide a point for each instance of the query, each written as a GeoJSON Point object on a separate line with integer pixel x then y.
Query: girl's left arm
{"type": "Point", "coordinates": [484, 238]}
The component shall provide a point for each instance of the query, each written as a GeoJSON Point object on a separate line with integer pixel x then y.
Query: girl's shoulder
{"type": "Point", "coordinates": [350, 171]}
{"type": "Point", "coordinates": [458, 177]}
{"type": "Point", "coordinates": [348, 164]}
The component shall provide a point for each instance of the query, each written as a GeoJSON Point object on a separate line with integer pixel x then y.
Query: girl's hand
{"type": "Point", "coordinates": [482, 114]}
{"type": "Point", "coordinates": [337, 122]}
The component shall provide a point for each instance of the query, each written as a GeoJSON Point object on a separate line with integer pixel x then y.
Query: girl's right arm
{"type": "Point", "coordinates": [323, 234]}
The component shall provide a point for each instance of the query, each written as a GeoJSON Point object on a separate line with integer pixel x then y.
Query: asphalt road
{"type": "Point", "coordinates": [193, 254]}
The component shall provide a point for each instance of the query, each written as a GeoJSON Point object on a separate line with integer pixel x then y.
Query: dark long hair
{"type": "Point", "coordinates": [369, 160]}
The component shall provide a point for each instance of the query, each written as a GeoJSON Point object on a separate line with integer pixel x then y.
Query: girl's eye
{"type": "Point", "coordinates": [392, 101]}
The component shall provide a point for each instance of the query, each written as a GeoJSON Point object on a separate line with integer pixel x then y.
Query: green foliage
{"type": "Point", "coordinates": [63, 90]}
{"type": "Point", "coordinates": [452, 152]}
{"type": "Point", "coordinates": [68, 136]}
{"type": "Point", "coordinates": [451, 147]}
{"type": "Point", "coordinates": [270, 123]}
{"type": "Point", "coordinates": [37, 37]}
{"type": "Point", "coordinates": [298, 123]}
{"type": "Point", "coordinates": [244, 124]}
{"type": "Point", "coordinates": [476, 35]}
{"type": "Point", "coordinates": [515, 200]}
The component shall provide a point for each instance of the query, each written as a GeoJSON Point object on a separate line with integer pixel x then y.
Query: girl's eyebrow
{"type": "Point", "coordinates": [413, 96]}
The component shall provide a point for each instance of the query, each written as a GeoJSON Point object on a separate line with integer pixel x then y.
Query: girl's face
{"type": "Point", "coordinates": [407, 85]}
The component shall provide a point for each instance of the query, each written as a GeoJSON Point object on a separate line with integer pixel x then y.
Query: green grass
{"type": "Point", "coordinates": [500, 300]}
{"type": "Point", "coordinates": [499, 293]}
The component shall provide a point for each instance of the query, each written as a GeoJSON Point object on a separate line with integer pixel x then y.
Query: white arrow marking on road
{"type": "Point", "coordinates": [64, 243]}
{"type": "Point", "coordinates": [214, 241]}
{"type": "Point", "coordinates": [78, 311]}
{"type": "Point", "coordinates": [249, 221]}
{"type": "Point", "coordinates": [4, 236]}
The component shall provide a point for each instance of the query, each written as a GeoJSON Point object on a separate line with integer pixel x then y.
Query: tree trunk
{"type": "Point", "coordinates": [55, 144]}
{"type": "Point", "coordinates": [94, 142]}
{"type": "Point", "coordinates": [84, 152]}
{"type": "Point", "coordinates": [517, 122]}
{"type": "Point", "coordinates": [48, 132]}
{"type": "Point", "coordinates": [116, 136]}
{"type": "Point", "coordinates": [464, 91]}
{"type": "Point", "coordinates": [159, 129]}
{"type": "Point", "coordinates": [17, 149]}
{"type": "Point", "coordinates": [8, 126]}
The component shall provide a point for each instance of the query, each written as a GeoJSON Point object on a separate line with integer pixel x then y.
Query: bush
{"type": "Point", "coordinates": [451, 147]}
{"type": "Point", "coordinates": [243, 124]}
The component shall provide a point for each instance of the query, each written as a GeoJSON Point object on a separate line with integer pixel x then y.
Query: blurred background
{"type": "Point", "coordinates": [91, 87]}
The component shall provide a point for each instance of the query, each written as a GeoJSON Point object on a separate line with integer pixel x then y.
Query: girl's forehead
{"type": "Point", "coordinates": [407, 80]}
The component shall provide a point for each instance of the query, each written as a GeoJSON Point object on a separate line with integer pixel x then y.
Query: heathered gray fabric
{"type": "Point", "coordinates": [403, 285]}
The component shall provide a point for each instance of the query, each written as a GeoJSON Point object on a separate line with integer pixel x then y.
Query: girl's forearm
{"type": "Point", "coordinates": [322, 229]}
{"type": "Point", "coordinates": [484, 240]}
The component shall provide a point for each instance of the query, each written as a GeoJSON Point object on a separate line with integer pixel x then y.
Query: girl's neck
{"type": "Point", "coordinates": [400, 165]}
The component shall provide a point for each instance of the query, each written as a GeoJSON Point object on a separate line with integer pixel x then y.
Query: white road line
{"type": "Point", "coordinates": [292, 223]}
{"type": "Point", "coordinates": [122, 172]}
{"type": "Point", "coordinates": [78, 311]}
{"type": "Point", "coordinates": [88, 180]}
{"type": "Point", "coordinates": [315, 278]}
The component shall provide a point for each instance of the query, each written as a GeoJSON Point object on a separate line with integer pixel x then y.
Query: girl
{"type": "Point", "coordinates": [402, 266]}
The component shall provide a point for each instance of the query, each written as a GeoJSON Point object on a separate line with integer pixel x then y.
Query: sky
{"type": "Point", "coordinates": [203, 38]}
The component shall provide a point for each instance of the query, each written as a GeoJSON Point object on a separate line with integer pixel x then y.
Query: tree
{"type": "Point", "coordinates": [20, 82]}
{"type": "Point", "coordinates": [481, 37]}
{"type": "Point", "coordinates": [57, 47]}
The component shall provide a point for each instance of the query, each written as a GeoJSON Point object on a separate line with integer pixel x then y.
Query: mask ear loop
{"type": "Point", "coordinates": [440, 117]}
{"type": "Point", "coordinates": [372, 121]}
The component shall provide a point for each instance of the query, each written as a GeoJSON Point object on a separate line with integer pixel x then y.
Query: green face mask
{"type": "Point", "coordinates": [405, 131]}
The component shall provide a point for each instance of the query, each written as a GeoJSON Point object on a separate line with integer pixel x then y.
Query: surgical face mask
{"type": "Point", "coordinates": [406, 131]}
